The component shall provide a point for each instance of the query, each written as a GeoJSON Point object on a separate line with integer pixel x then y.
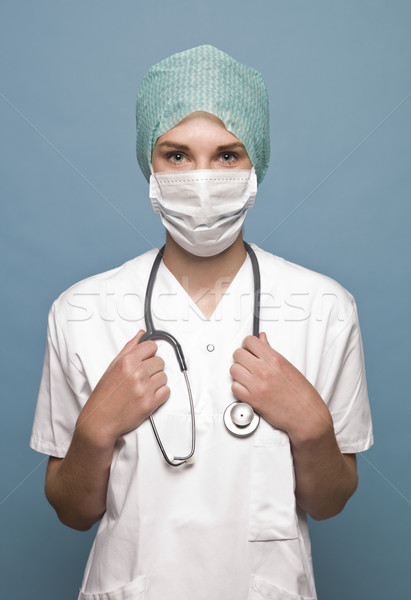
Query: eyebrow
{"type": "Point", "coordinates": [186, 148]}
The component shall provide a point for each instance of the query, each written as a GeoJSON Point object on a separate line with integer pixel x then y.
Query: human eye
{"type": "Point", "coordinates": [228, 157]}
{"type": "Point", "coordinates": [176, 157]}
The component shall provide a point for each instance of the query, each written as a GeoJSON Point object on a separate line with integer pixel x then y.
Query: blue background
{"type": "Point", "coordinates": [336, 199]}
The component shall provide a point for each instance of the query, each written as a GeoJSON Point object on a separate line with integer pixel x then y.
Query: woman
{"type": "Point", "coordinates": [231, 524]}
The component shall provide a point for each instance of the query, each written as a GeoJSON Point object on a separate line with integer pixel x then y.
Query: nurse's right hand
{"type": "Point", "coordinates": [130, 390]}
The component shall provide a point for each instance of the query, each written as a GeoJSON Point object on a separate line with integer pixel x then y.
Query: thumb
{"type": "Point", "coordinates": [131, 343]}
{"type": "Point", "coordinates": [138, 335]}
{"type": "Point", "coordinates": [263, 337]}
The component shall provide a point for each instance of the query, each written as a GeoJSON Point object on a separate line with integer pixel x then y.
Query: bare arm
{"type": "Point", "coordinates": [76, 486]}
{"type": "Point", "coordinates": [325, 478]}
{"type": "Point", "coordinates": [132, 387]}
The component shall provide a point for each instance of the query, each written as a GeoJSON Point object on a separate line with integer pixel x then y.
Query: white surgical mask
{"type": "Point", "coordinates": [203, 210]}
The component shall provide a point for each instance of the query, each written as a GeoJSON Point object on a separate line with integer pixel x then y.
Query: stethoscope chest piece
{"type": "Point", "coordinates": [240, 419]}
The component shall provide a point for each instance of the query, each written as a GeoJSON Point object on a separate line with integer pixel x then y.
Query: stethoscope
{"type": "Point", "coordinates": [239, 417]}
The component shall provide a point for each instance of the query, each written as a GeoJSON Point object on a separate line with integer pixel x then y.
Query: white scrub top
{"type": "Point", "coordinates": [227, 526]}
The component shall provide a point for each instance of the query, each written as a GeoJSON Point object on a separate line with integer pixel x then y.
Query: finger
{"type": "Point", "coordinates": [162, 394]}
{"type": "Point", "coordinates": [131, 343]}
{"type": "Point", "coordinates": [153, 365]}
{"type": "Point", "coordinates": [240, 392]}
{"type": "Point", "coordinates": [252, 344]}
{"type": "Point", "coordinates": [241, 375]}
{"type": "Point", "coordinates": [144, 350]}
{"type": "Point", "coordinates": [246, 359]}
{"type": "Point", "coordinates": [158, 379]}
{"type": "Point", "coordinates": [257, 346]}
{"type": "Point", "coordinates": [136, 354]}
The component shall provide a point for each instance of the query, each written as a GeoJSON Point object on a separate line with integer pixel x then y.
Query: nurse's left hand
{"type": "Point", "coordinates": [277, 390]}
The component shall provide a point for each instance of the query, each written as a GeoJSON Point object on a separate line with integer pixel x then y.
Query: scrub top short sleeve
{"type": "Point", "coordinates": [343, 387]}
{"type": "Point", "coordinates": [234, 509]}
{"type": "Point", "coordinates": [59, 400]}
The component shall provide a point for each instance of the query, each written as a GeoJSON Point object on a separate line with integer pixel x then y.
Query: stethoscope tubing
{"type": "Point", "coordinates": [153, 334]}
{"type": "Point", "coordinates": [156, 334]}
{"type": "Point", "coordinates": [257, 289]}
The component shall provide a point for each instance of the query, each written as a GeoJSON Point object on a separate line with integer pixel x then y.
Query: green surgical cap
{"type": "Point", "coordinates": [204, 78]}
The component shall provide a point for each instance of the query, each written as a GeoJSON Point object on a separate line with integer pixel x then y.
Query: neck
{"type": "Point", "coordinates": [204, 278]}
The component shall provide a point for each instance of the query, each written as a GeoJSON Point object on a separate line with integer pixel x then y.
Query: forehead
{"type": "Point", "coordinates": [198, 124]}
{"type": "Point", "coordinates": [204, 116]}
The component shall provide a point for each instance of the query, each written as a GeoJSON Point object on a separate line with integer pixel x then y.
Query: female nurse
{"type": "Point", "coordinates": [231, 524]}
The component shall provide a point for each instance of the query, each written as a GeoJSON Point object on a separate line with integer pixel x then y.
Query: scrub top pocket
{"type": "Point", "coordinates": [272, 500]}
{"type": "Point", "coordinates": [262, 590]}
{"type": "Point", "coordinates": [135, 590]}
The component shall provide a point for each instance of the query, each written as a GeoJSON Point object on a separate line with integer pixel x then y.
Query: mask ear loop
{"type": "Point", "coordinates": [154, 191]}
{"type": "Point", "coordinates": [252, 189]}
